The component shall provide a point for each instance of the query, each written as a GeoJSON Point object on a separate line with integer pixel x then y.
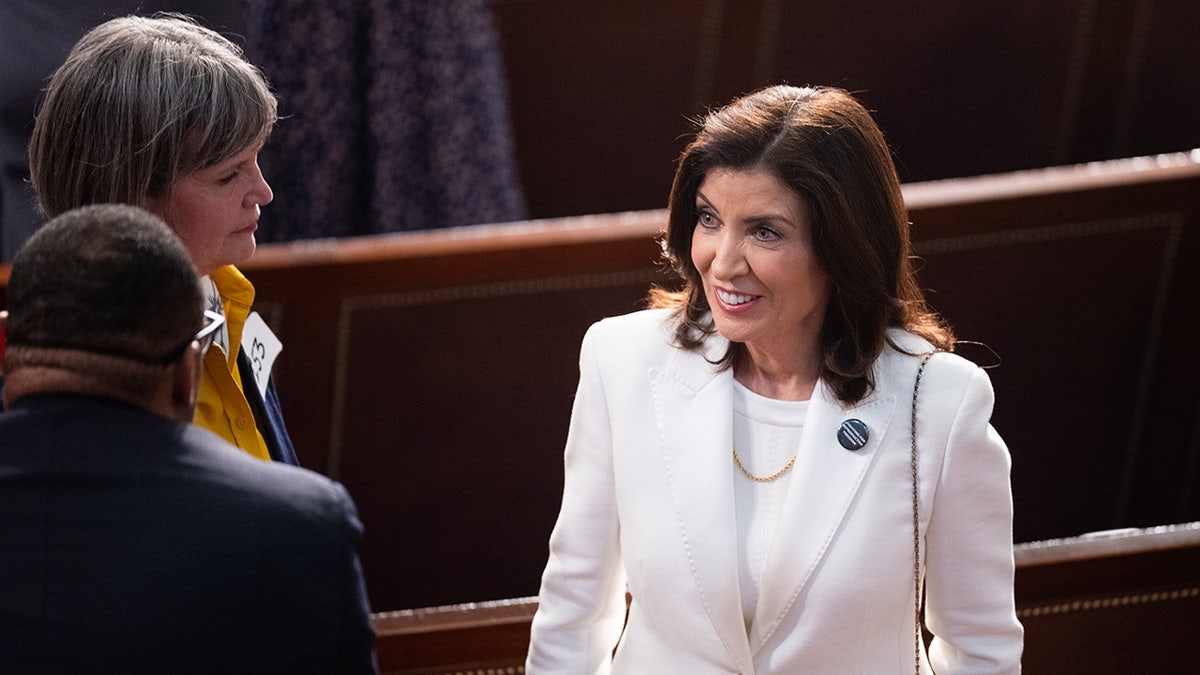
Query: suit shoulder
{"type": "Point", "coordinates": [644, 323]}
{"type": "Point", "coordinates": [270, 486]}
{"type": "Point", "coordinates": [643, 329]}
{"type": "Point", "coordinates": [901, 359]}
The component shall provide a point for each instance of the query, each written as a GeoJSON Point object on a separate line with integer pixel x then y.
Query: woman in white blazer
{"type": "Point", "coordinates": [753, 461]}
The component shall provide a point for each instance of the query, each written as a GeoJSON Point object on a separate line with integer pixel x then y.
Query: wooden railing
{"type": "Point", "coordinates": [1115, 602]}
{"type": "Point", "coordinates": [477, 638]}
{"type": "Point", "coordinates": [1126, 601]}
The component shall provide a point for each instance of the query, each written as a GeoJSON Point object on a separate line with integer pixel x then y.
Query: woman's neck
{"type": "Point", "coordinates": [784, 379]}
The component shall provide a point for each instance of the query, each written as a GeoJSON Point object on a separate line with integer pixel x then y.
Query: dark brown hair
{"type": "Point", "coordinates": [825, 146]}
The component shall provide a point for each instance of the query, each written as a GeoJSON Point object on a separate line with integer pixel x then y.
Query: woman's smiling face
{"type": "Point", "coordinates": [752, 246]}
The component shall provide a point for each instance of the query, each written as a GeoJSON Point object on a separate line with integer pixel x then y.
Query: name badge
{"type": "Point", "coordinates": [261, 347]}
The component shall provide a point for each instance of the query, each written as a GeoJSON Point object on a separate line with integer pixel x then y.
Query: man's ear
{"type": "Point", "coordinates": [186, 382]}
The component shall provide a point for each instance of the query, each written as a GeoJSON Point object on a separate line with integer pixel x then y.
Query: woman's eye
{"type": "Point", "coordinates": [763, 233]}
{"type": "Point", "coordinates": [227, 179]}
{"type": "Point", "coordinates": [706, 219]}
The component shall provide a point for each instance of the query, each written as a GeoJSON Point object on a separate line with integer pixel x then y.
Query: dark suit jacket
{"type": "Point", "coordinates": [133, 544]}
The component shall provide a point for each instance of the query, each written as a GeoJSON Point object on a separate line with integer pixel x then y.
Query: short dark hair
{"type": "Point", "coordinates": [140, 102]}
{"type": "Point", "coordinates": [824, 145]}
{"type": "Point", "coordinates": [105, 279]}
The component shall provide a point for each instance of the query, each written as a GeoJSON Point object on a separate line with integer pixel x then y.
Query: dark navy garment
{"type": "Point", "coordinates": [268, 415]}
{"type": "Point", "coordinates": [131, 543]}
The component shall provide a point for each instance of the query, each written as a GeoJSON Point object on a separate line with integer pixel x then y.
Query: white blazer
{"type": "Point", "coordinates": [648, 507]}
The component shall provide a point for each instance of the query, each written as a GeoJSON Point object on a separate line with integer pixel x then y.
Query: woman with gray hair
{"type": "Point", "coordinates": [163, 113]}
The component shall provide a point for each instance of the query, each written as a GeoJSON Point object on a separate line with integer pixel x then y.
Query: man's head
{"type": "Point", "coordinates": [104, 300]}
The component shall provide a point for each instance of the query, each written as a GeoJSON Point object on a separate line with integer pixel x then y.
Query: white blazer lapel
{"type": "Point", "coordinates": [693, 406]}
{"type": "Point", "coordinates": [825, 480]}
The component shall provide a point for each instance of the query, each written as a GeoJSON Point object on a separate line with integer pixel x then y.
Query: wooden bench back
{"type": "Point", "coordinates": [1117, 602]}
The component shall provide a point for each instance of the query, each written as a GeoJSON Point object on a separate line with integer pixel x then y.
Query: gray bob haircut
{"type": "Point", "coordinates": [139, 103]}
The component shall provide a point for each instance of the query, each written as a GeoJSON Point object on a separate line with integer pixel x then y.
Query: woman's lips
{"type": "Point", "coordinates": [733, 301]}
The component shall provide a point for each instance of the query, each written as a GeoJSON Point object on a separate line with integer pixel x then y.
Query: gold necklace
{"type": "Point", "coordinates": [763, 479]}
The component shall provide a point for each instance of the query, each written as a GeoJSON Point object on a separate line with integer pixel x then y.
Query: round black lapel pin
{"type": "Point", "coordinates": [853, 434]}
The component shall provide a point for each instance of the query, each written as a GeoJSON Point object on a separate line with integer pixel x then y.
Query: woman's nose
{"type": "Point", "coordinates": [729, 261]}
{"type": "Point", "coordinates": [261, 194]}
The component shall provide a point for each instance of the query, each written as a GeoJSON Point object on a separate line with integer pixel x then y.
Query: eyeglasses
{"type": "Point", "coordinates": [205, 336]}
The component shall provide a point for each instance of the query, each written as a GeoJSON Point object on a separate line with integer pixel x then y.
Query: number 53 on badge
{"type": "Point", "coordinates": [261, 347]}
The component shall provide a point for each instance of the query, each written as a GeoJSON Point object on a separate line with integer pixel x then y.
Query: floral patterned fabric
{"type": "Point", "coordinates": [394, 116]}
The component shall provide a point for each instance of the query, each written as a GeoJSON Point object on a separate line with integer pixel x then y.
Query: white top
{"type": "Point", "coordinates": [766, 434]}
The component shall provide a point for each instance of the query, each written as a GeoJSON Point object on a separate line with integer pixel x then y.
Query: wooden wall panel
{"type": "Point", "coordinates": [599, 94]}
{"type": "Point", "coordinates": [439, 385]}
{"type": "Point", "coordinates": [461, 399]}
{"type": "Point", "coordinates": [1071, 312]}
{"type": "Point", "coordinates": [310, 293]}
{"type": "Point", "coordinates": [601, 90]}
{"type": "Point", "coordinates": [959, 88]}
{"type": "Point", "coordinates": [1120, 288]}
{"type": "Point", "coordinates": [1161, 108]}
